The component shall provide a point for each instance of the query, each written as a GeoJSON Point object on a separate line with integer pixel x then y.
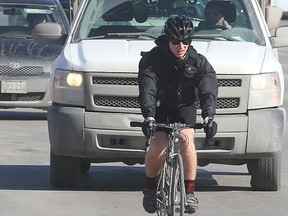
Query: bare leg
{"type": "Point", "coordinates": [155, 155]}
{"type": "Point", "coordinates": [153, 163]}
{"type": "Point", "coordinates": [188, 152]}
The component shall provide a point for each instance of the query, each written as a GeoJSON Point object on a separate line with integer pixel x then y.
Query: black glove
{"type": "Point", "coordinates": [149, 127]}
{"type": "Point", "coordinates": [210, 127]}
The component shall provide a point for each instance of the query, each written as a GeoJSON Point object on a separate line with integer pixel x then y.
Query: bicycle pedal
{"type": "Point", "coordinates": [177, 210]}
{"type": "Point", "coordinates": [190, 211]}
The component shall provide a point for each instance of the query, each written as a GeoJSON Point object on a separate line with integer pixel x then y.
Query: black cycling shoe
{"type": "Point", "coordinates": [192, 203]}
{"type": "Point", "coordinates": [149, 200]}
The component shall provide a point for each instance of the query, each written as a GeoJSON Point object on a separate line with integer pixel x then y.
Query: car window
{"type": "Point", "coordinates": [19, 20]}
{"type": "Point", "coordinates": [144, 19]}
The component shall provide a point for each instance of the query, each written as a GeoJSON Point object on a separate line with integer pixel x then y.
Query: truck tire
{"type": "Point", "coordinates": [64, 170]}
{"type": "Point", "coordinates": [265, 173]}
{"type": "Point", "coordinates": [85, 166]}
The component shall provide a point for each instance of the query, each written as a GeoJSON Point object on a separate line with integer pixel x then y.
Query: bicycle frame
{"type": "Point", "coordinates": [171, 189]}
{"type": "Point", "coordinates": [171, 195]}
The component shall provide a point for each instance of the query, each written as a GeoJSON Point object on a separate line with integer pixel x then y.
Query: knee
{"type": "Point", "coordinates": [187, 142]}
{"type": "Point", "coordinates": [187, 136]}
{"type": "Point", "coordinates": [159, 141]}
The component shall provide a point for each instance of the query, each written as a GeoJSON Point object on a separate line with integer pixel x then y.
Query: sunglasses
{"type": "Point", "coordinates": [185, 41]}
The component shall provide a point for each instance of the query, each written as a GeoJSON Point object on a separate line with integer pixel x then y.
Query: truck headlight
{"type": "Point", "coordinates": [67, 87]}
{"type": "Point", "coordinates": [74, 79]}
{"type": "Point", "coordinates": [265, 91]}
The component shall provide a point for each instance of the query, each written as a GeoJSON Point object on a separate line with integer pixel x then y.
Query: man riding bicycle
{"type": "Point", "coordinates": [172, 78]}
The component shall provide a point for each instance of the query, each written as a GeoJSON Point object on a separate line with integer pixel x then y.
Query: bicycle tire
{"type": "Point", "coordinates": [177, 199]}
{"type": "Point", "coordinates": [163, 190]}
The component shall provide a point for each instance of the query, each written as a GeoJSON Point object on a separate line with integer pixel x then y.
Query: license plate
{"type": "Point", "coordinates": [13, 86]}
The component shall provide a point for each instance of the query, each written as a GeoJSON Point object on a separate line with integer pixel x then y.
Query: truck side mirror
{"type": "Point", "coordinates": [281, 37]}
{"type": "Point", "coordinates": [273, 16]}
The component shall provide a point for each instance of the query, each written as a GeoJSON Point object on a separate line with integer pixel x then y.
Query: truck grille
{"type": "Point", "coordinates": [21, 71]}
{"type": "Point", "coordinates": [114, 81]}
{"type": "Point", "coordinates": [22, 97]}
{"type": "Point", "coordinates": [229, 82]}
{"type": "Point", "coordinates": [118, 92]}
{"type": "Point", "coordinates": [134, 81]}
{"type": "Point", "coordinates": [131, 102]}
{"type": "Point", "coordinates": [126, 102]}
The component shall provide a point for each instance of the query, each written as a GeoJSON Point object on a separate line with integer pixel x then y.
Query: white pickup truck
{"type": "Point", "coordinates": [94, 86]}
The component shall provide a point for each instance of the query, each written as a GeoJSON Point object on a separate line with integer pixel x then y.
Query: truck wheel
{"type": "Point", "coordinates": [64, 170]}
{"type": "Point", "coordinates": [265, 173]}
{"type": "Point", "coordinates": [85, 166]}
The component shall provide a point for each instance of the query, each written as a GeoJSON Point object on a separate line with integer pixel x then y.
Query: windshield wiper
{"type": "Point", "coordinates": [16, 36]}
{"type": "Point", "coordinates": [94, 37]}
{"type": "Point", "coordinates": [133, 34]}
{"type": "Point", "coordinates": [213, 36]}
{"type": "Point", "coordinates": [149, 35]}
{"type": "Point", "coordinates": [122, 34]}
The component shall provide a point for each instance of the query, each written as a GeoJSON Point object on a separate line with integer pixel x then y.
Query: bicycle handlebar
{"type": "Point", "coordinates": [170, 125]}
{"type": "Point", "coordinates": [173, 126]}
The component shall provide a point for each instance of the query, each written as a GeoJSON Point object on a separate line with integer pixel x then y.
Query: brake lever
{"type": "Point", "coordinates": [208, 142]}
{"type": "Point", "coordinates": [148, 142]}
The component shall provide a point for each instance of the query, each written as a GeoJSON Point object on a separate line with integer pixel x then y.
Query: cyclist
{"type": "Point", "coordinates": [170, 74]}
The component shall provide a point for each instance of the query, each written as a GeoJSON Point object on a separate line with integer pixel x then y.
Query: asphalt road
{"type": "Point", "coordinates": [114, 189]}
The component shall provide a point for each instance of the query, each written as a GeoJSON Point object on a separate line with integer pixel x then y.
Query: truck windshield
{"type": "Point", "coordinates": [232, 20]}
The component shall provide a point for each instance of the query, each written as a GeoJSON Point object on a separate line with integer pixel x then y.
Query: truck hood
{"type": "Point", "coordinates": [124, 55]}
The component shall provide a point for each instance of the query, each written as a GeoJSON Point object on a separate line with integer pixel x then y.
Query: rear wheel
{"type": "Point", "coordinates": [265, 173]}
{"type": "Point", "coordinates": [64, 170]}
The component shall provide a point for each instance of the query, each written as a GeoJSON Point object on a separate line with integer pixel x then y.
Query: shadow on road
{"type": "Point", "coordinates": [24, 177]}
{"type": "Point", "coordinates": [206, 181]}
{"type": "Point", "coordinates": [99, 178]}
{"type": "Point", "coordinates": [15, 114]}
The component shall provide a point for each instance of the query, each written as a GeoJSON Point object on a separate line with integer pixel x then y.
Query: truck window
{"type": "Point", "coordinates": [104, 19]}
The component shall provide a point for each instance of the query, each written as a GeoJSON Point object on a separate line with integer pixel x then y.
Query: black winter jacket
{"type": "Point", "coordinates": [167, 81]}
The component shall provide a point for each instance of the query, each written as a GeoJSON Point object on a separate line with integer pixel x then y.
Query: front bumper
{"type": "Point", "coordinates": [109, 137]}
{"type": "Point", "coordinates": [101, 137]}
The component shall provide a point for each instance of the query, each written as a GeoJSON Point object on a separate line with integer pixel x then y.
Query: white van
{"type": "Point", "coordinates": [94, 86]}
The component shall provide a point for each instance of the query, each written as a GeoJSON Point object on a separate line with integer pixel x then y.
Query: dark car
{"type": "Point", "coordinates": [25, 65]}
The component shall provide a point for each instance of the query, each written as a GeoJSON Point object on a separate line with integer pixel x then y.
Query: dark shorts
{"type": "Point", "coordinates": [182, 114]}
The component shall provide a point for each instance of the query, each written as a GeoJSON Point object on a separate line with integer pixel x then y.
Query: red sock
{"type": "Point", "coordinates": [189, 186]}
{"type": "Point", "coordinates": [152, 183]}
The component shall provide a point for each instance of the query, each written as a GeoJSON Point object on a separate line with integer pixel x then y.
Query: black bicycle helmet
{"type": "Point", "coordinates": [178, 27]}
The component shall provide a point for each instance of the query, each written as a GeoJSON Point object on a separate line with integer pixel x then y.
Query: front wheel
{"type": "Point", "coordinates": [265, 173]}
{"type": "Point", "coordinates": [64, 170]}
{"type": "Point", "coordinates": [176, 199]}
{"type": "Point", "coordinates": [163, 190]}
{"type": "Point", "coordinates": [85, 166]}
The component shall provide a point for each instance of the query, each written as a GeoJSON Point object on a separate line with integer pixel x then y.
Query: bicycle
{"type": "Point", "coordinates": [171, 195]}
